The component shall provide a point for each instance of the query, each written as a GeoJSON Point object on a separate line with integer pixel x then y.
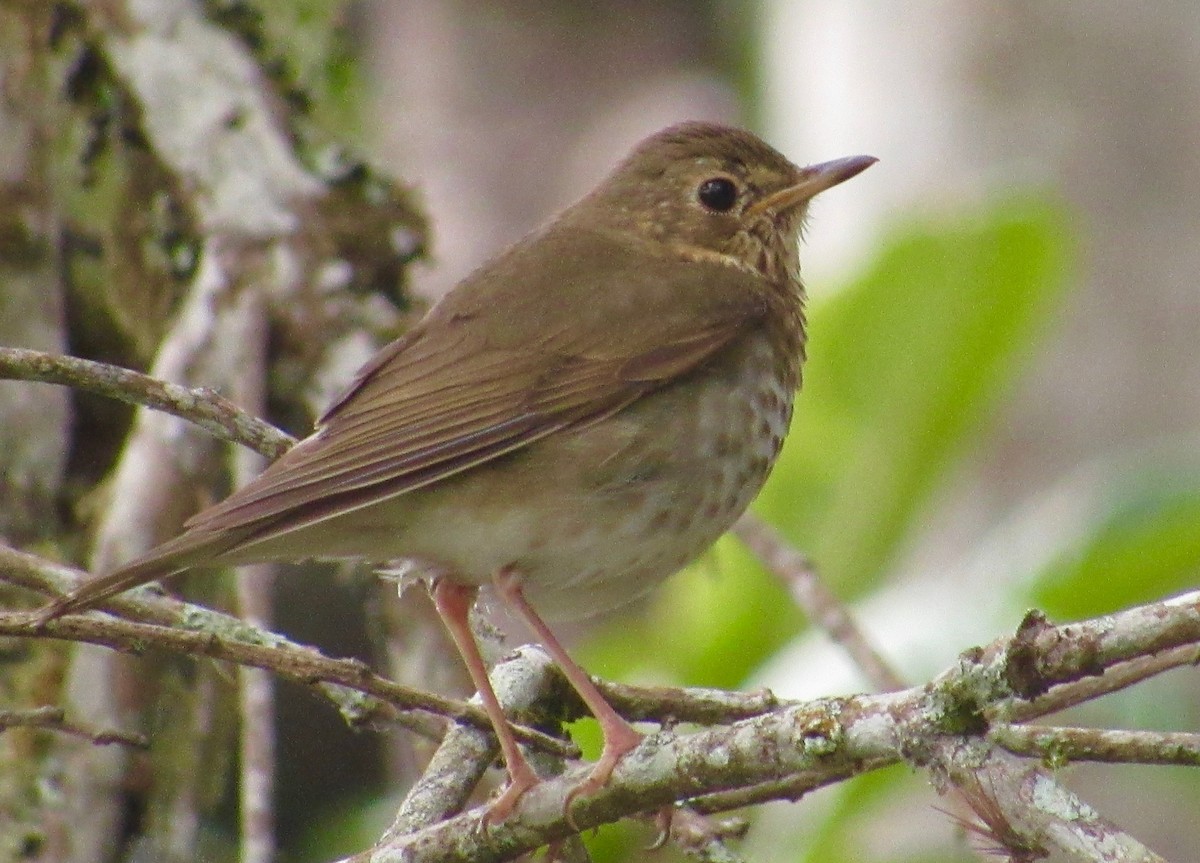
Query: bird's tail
{"type": "Point", "coordinates": [164, 560]}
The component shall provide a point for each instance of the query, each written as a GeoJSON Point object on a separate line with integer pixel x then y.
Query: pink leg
{"type": "Point", "coordinates": [453, 602]}
{"type": "Point", "coordinates": [619, 736]}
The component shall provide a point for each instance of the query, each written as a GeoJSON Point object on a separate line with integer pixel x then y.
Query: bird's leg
{"type": "Point", "coordinates": [619, 736]}
{"type": "Point", "coordinates": [453, 602]}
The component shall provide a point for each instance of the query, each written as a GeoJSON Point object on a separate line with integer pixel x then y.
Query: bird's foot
{"type": "Point", "coordinates": [520, 780]}
{"type": "Point", "coordinates": [619, 740]}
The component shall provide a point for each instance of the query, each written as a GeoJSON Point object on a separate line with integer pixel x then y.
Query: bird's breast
{"type": "Point", "coordinates": [644, 492]}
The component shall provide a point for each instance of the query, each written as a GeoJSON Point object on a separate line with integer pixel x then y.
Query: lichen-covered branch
{"type": "Point", "coordinates": [941, 724]}
{"type": "Point", "coordinates": [1058, 745]}
{"type": "Point", "coordinates": [202, 406]}
{"type": "Point", "coordinates": [1020, 822]}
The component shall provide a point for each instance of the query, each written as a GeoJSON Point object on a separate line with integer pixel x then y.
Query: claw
{"type": "Point", "coordinates": [662, 821]}
{"type": "Point", "coordinates": [619, 741]}
{"type": "Point", "coordinates": [504, 805]}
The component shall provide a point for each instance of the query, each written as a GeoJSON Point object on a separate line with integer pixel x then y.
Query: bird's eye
{"type": "Point", "coordinates": [718, 194]}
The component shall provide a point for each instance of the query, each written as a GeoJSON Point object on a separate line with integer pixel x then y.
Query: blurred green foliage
{"type": "Point", "coordinates": [1141, 542]}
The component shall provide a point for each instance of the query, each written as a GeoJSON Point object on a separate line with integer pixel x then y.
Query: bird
{"type": "Point", "coordinates": [573, 422]}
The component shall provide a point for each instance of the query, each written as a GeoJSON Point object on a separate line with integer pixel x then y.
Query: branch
{"type": "Point", "coordinates": [205, 408]}
{"type": "Point", "coordinates": [1060, 745]}
{"type": "Point", "coordinates": [1114, 679]}
{"type": "Point", "coordinates": [1042, 655]}
{"type": "Point", "coordinates": [1038, 658]}
{"type": "Point", "coordinates": [820, 603]}
{"type": "Point", "coordinates": [521, 680]}
{"type": "Point", "coordinates": [823, 735]}
{"type": "Point", "coordinates": [55, 719]}
{"type": "Point", "coordinates": [1020, 823]}
{"type": "Point", "coordinates": [702, 706]}
{"type": "Point", "coordinates": [799, 747]}
{"type": "Point", "coordinates": [1026, 814]}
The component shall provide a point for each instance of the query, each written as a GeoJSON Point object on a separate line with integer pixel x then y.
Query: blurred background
{"type": "Point", "coordinates": [1002, 404]}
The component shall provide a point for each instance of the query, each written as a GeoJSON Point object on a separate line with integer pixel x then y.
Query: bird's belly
{"type": "Point", "coordinates": [595, 516]}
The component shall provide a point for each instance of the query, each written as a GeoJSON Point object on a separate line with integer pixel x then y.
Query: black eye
{"type": "Point", "coordinates": [718, 194]}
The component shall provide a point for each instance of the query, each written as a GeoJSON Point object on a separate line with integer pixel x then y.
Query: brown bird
{"type": "Point", "coordinates": [575, 421]}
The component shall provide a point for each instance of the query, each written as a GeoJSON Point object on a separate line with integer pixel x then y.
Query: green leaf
{"type": "Point", "coordinates": [1142, 544]}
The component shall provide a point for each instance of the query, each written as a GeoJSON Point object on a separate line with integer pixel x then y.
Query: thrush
{"type": "Point", "coordinates": [576, 420]}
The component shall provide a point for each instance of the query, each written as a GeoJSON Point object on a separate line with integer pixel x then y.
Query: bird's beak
{"type": "Point", "coordinates": [813, 180]}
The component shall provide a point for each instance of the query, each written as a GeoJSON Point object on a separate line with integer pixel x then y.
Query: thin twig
{"type": "Point", "coordinates": [1059, 745]}
{"type": "Point", "coordinates": [54, 719]}
{"type": "Point", "coordinates": [820, 603]}
{"type": "Point", "coordinates": [1114, 679]}
{"type": "Point", "coordinates": [703, 706]}
{"type": "Point", "coordinates": [302, 665]}
{"type": "Point", "coordinates": [791, 788]}
{"type": "Point", "coordinates": [207, 409]}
